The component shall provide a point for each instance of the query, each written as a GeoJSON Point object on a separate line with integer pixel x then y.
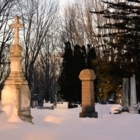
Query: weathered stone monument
{"type": "Point", "coordinates": [16, 94]}
{"type": "Point", "coordinates": [125, 95]}
{"type": "Point", "coordinates": [87, 77]}
{"type": "Point", "coordinates": [129, 97]}
{"type": "Point", "coordinates": [133, 96]}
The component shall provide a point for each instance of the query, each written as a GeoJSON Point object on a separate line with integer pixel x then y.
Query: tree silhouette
{"type": "Point", "coordinates": [122, 39]}
{"type": "Point", "coordinates": [74, 61]}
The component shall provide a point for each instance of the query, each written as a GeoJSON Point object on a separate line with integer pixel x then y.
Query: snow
{"type": "Point", "coordinates": [65, 124]}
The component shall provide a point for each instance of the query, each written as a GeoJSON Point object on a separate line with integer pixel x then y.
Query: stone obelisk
{"type": "Point", "coordinates": [15, 98]}
{"type": "Point", "coordinates": [133, 96]}
{"type": "Point", "coordinates": [125, 99]}
{"type": "Point", "coordinates": [87, 77]}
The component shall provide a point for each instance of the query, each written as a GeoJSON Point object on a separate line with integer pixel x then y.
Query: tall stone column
{"type": "Point", "coordinates": [16, 94]}
{"type": "Point", "coordinates": [125, 100]}
{"type": "Point", "coordinates": [87, 77]}
{"type": "Point", "coordinates": [133, 96]}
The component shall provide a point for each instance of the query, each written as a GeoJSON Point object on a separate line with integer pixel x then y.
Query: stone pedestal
{"type": "Point", "coordinates": [16, 94]}
{"type": "Point", "coordinates": [133, 96]}
{"type": "Point", "coordinates": [15, 98]}
{"type": "Point", "coordinates": [125, 100]}
{"type": "Point", "coordinates": [87, 77]}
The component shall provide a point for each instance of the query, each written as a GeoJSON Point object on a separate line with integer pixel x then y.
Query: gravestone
{"type": "Point", "coordinates": [125, 99]}
{"type": "Point", "coordinates": [87, 77]}
{"type": "Point", "coordinates": [16, 94]}
{"type": "Point", "coordinates": [133, 96]}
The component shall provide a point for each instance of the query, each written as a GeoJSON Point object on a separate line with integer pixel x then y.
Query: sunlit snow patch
{"type": "Point", "coordinates": [53, 119]}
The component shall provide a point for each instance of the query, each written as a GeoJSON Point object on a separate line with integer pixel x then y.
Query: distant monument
{"type": "Point", "coordinates": [16, 94]}
{"type": "Point", "coordinates": [129, 96]}
{"type": "Point", "coordinates": [125, 95]}
{"type": "Point", "coordinates": [87, 77]}
{"type": "Point", "coordinates": [133, 96]}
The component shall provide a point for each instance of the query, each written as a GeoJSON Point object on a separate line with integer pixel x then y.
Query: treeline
{"type": "Point", "coordinates": [75, 59]}
{"type": "Point", "coordinates": [111, 28]}
{"type": "Point", "coordinates": [38, 40]}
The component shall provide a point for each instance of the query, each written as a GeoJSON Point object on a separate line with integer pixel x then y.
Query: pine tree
{"type": "Point", "coordinates": [69, 83]}
{"type": "Point", "coordinates": [123, 35]}
{"type": "Point", "coordinates": [65, 80]}
{"type": "Point", "coordinates": [79, 65]}
{"type": "Point", "coordinates": [90, 56]}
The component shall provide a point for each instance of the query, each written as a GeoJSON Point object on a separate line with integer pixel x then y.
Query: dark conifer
{"type": "Point", "coordinates": [69, 83]}
{"type": "Point", "coordinates": [65, 80]}
{"type": "Point", "coordinates": [123, 35]}
{"type": "Point", "coordinates": [91, 56]}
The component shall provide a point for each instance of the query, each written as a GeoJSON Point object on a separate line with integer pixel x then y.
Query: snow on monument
{"type": "Point", "coordinates": [15, 98]}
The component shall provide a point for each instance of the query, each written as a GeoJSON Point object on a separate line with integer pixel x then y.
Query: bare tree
{"type": "Point", "coordinates": [49, 64]}
{"type": "Point", "coordinates": [37, 16]}
{"type": "Point", "coordinates": [79, 25]}
{"type": "Point", "coordinates": [6, 7]}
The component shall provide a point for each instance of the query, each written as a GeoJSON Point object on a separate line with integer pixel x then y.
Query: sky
{"type": "Point", "coordinates": [65, 124]}
{"type": "Point", "coordinates": [63, 2]}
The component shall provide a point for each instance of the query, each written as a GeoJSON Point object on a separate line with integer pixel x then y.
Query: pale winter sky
{"type": "Point", "coordinates": [63, 2]}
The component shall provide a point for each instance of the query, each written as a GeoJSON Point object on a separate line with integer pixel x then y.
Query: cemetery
{"type": "Point", "coordinates": [84, 92]}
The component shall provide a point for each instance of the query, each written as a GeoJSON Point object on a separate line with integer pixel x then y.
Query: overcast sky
{"type": "Point", "coordinates": [62, 2]}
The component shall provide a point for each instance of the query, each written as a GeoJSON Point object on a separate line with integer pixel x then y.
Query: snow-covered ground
{"type": "Point", "coordinates": [65, 124]}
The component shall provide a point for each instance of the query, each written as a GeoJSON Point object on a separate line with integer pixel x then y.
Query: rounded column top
{"type": "Point", "coordinates": [87, 74]}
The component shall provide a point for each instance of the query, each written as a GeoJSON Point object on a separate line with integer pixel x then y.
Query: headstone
{"type": "Point", "coordinates": [87, 77]}
{"type": "Point", "coordinates": [133, 96]}
{"type": "Point", "coordinates": [125, 99]}
{"type": "Point", "coordinates": [16, 94]}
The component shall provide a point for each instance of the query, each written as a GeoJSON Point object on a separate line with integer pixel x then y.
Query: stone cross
{"type": "Point", "coordinates": [16, 95]}
{"type": "Point", "coordinates": [16, 26]}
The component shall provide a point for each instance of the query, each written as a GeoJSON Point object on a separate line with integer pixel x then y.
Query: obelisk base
{"type": "Point", "coordinates": [133, 110]}
{"type": "Point", "coordinates": [16, 103]}
{"type": "Point", "coordinates": [24, 109]}
{"type": "Point", "coordinates": [88, 114]}
{"type": "Point", "coordinates": [27, 118]}
{"type": "Point", "coordinates": [8, 100]}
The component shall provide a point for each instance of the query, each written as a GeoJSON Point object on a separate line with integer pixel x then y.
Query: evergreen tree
{"type": "Point", "coordinates": [69, 83]}
{"type": "Point", "coordinates": [79, 65]}
{"type": "Point", "coordinates": [65, 80]}
{"type": "Point", "coordinates": [123, 35]}
{"type": "Point", "coordinates": [91, 56]}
